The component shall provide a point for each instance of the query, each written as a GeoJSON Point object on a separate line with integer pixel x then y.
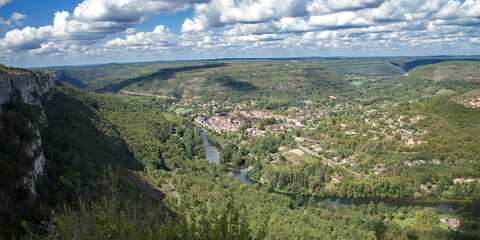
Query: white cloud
{"type": "Point", "coordinates": [320, 7]}
{"type": "Point", "coordinates": [251, 28]}
{"type": "Point", "coordinates": [16, 17]}
{"type": "Point", "coordinates": [339, 20]}
{"type": "Point", "coordinates": [46, 48]}
{"type": "Point", "coordinates": [219, 13]}
{"type": "Point", "coordinates": [3, 2]}
{"type": "Point", "coordinates": [14, 20]}
{"type": "Point", "coordinates": [25, 39]}
{"type": "Point", "coordinates": [160, 37]}
{"type": "Point", "coordinates": [91, 21]}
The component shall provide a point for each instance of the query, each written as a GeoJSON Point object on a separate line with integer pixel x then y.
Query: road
{"type": "Point", "coordinates": [149, 95]}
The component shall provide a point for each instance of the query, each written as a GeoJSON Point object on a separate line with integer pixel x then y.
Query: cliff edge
{"type": "Point", "coordinates": [22, 89]}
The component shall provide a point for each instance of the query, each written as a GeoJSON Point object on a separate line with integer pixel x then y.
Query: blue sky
{"type": "Point", "coordinates": [54, 32]}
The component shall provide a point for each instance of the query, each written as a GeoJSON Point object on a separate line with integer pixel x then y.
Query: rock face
{"type": "Point", "coordinates": [29, 87]}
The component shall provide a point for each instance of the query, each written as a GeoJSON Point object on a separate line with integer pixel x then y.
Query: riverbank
{"type": "Point", "coordinates": [445, 204]}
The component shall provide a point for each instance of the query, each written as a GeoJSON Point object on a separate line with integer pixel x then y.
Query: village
{"type": "Point", "coordinates": [366, 123]}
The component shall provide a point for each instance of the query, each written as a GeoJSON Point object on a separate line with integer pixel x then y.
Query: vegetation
{"type": "Point", "coordinates": [223, 80]}
{"type": "Point", "coordinates": [134, 168]}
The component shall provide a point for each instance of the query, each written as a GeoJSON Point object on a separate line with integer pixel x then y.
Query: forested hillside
{"type": "Point", "coordinates": [429, 81]}
{"type": "Point", "coordinates": [85, 136]}
{"type": "Point", "coordinates": [220, 80]}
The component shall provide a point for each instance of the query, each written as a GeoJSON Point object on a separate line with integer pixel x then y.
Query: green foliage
{"type": "Point", "coordinates": [85, 134]}
{"type": "Point", "coordinates": [13, 70]}
{"type": "Point", "coordinates": [226, 80]}
{"type": "Point", "coordinates": [16, 138]}
{"type": "Point", "coordinates": [114, 217]}
{"type": "Point", "coordinates": [244, 127]}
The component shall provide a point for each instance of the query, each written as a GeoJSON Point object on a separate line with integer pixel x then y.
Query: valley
{"type": "Point", "coordinates": [254, 149]}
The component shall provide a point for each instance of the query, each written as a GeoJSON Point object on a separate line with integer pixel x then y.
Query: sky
{"type": "Point", "coordinates": [57, 32]}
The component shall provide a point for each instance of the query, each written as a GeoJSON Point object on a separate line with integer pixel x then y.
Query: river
{"type": "Point", "coordinates": [212, 155]}
{"type": "Point", "coordinates": [445, 205]}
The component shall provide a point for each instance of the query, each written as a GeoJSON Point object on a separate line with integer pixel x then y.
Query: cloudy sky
{"type": "Point", "coordinates": [58, 32]}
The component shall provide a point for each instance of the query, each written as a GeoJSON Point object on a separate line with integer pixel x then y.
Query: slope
{"type": "Point", "coordinates": [431, 80]}
{"type": "Point", "coordinates": [85, 136]}
{"type": "Point", "coordinates": [220, 80]}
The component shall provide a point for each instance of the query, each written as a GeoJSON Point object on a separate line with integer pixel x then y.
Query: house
{"type": "Point", "coordinates": [338, 178]}
{"type": "Point", "coordinates": [290, 126]}
{"type": "Point", "coordinates": [458, 180]}
{"type": "Point", "coordinates": [409, 164]}
{"type": "Point", "coordinates": [374, 137]}
{"type": "Point", "coordinates": [317, 148]}
{"type": "Point", "coordinates": [453, 222]}
{"type": "Point", "coordinates": [350, 132]}
{"type": "Point", "coordinates": [388, 138]}
{"type": "Point", "coordinates": [296, 121]}
{"type": "Point", "coordinates": [421, 141]}
{"type": "Point", "coordinates": [377, 171]}
{"type": "Point", "coordinates": [461, 180]}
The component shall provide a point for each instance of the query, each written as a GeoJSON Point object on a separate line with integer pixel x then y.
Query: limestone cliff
{"type": "Point", "coordinates": [30, 86]}
{"type": "Point", "coordinates": [26, 86]}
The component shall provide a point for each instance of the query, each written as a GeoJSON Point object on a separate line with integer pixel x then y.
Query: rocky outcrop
{"type": "Point", "coordinates": [29, 87]}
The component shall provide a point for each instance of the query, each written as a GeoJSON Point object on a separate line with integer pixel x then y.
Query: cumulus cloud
{"type": "Point", "coordinates": [91, 21]}
{"type": "Point", "coordinates": [339, 20]}
{"type": "Point", "coordinates": [16, 17]}
{"type": "Point", "coordinates": [3, 2]}
{"type": "Point", "coordinates": [160, 37]}
{"type": "Point", "coordinates": [15, 20]}
{"type": "Point", "coordinates": [319, 7]}
{"type": "Point", "coordinates": [46, 48]}
{"type": "Point", "coordinates": [25, 39]}
{"type": "Point", "coordinates": [219, 13]}
{"type": "Point", "coordinates": [256, 27]}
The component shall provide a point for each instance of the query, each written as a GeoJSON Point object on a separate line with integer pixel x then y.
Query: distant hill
{"type": "Point", "coordinates": [434, 79]}
{"type": "Point", "coordinates": [280, 79]}
{"type": "Point", "coordinates": [366, 67]}
{"type": "Point", "coordinates": [207, 80]}
{"type": "Point", "coordinates": [407, 66]}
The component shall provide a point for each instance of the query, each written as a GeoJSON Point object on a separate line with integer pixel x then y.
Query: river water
{"type": "Point", "coordinates": [212, 155]}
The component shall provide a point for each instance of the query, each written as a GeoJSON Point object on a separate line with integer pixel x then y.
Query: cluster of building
{"type": "Point", "coordinates": [229, 122]}
{"type": "Point", "coordinates": [451, 222]}
{"type": "Point", "coordinates": [389, 127]}
{"type": "Point", "coordinates": [472, 102]}
{"type": "Point", "coordinates": [461, 180]}
{"type": "Point", "coordinates": [223, 122]}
